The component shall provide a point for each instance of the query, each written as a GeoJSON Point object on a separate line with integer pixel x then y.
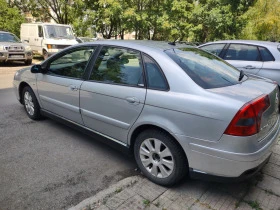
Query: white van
{"type": "Point", "coordinates": [47, 38]}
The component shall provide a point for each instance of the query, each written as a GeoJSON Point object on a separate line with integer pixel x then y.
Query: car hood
{"type": "Point", "coordinates": [23, 73]}
{"type": "Point", "coordinates": [13, 43]}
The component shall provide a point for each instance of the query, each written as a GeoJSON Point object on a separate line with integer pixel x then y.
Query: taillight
{"type": "Point", "coordinates": [247, 121]}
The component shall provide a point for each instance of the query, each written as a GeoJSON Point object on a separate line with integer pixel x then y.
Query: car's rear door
{"type": "Point", "coordinates": [113, 97]}
{"type": "Point", "coordinates": [244, 57]}
{"type": "Point", "coordinates": [271, 66]}
{"type": "Point", "coordinates": [58, 89]}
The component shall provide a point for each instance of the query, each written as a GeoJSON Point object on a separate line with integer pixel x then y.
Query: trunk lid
{"type": "Point", "coordinates": [251, 89]}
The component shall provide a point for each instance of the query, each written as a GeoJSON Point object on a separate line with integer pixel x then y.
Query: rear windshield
{"type": "Point", "coordinates": [205, 69]}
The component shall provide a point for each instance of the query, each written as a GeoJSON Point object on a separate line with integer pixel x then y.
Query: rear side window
{"type": "Point", "coordinates": [205, 69]}
{"type": "Point", "coordinates": [117, 65]}
{"type": "Point", "coordinates": [266, 55]}
{"type": "Point", "coordinates": [155, 78]}
{"type": "Point", "coordinates": [215, 49]}
{"type": "Point", "coordinates": [242, 52]}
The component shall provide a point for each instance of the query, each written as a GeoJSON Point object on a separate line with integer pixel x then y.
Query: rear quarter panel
{"type": "Point", "coordinates": [197, 117]}
{"type": "Point", "coordinates": [271, 70]}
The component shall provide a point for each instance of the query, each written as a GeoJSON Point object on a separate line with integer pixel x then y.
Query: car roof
{"type": "Point", "coordinates": [253, 42]}
{"type": "Point", "coordinates": [6, 32]}
{"type": "Point", "coordinates": [159, 45]}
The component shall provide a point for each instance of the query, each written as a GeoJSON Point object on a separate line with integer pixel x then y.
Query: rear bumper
{"type": "Point", "coordinates": [245, 175]}
{"type": "Point", "coordinates": [230, 157]}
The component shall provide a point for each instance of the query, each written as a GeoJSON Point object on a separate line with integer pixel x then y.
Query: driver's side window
{"type": "Point", "coordinates": [72, 64]}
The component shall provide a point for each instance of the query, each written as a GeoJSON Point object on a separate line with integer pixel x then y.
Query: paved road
{"type": "Point", "coordinates": [46, 165]}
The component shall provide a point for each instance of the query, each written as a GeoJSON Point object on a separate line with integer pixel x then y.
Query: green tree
{"type": "Point", "coordinates": [263, 21]}
{"type": "Point", "coordinates": [10, 18]}
{"type": "Point", "coordinates": [218, 19]}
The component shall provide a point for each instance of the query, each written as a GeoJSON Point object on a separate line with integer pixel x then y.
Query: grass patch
{"type": "Point", "coordinates": [157, 204]}
{"type": "Point", "coordinates": [146, 202]}
{"type": "Point", "coordinates": [255, 205]}
{"type": "Point", "coordinates": [118, 190]}
{"type": "Point", "coordinates": [38, 57]}
{"type": "Point", "coordinates": [237, 204]}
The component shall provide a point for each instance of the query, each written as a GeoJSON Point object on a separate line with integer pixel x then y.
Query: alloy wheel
{"type": "Point", "coordinates": [28, 102]}
{"type": "Point", "coordinates": [156, 157]}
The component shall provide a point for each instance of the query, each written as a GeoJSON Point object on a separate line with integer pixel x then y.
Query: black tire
{"type": "Point", "coordinates": [45, 54]}
{"type": "Point", "coordinates": [180, 163]}
{"type": "Point", "coordinates": [27, 91]}
{"type": "Point", "coordinates": [28, 62]}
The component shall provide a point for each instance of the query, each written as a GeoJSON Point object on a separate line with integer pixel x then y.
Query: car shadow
{"type": "Point", "coordinates": [12, 64]}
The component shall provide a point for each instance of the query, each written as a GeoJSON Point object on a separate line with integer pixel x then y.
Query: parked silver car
{"type": "Point", "coordinates": [261, 58]}
{"type": "Point", "coordinates": [11, 49]}
{"type": "Point", "coordinates": [179, 109]}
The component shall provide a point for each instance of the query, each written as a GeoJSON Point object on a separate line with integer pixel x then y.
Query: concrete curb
{"type": "Point", "coordinates": [98, 199]}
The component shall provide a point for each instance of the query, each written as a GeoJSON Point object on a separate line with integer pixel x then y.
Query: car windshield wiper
{"type": "Point", "coordinates": [241, 75]}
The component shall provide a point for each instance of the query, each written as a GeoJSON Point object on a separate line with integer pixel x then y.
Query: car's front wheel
{"type": "Point", "coordinates": [28, 62]}
{"type": "Point", "coordinates": [31, 104]}
{"type": "Point", "coordinates": [159, 157]}
{"type": "Point", "coordinates": [45, 54]}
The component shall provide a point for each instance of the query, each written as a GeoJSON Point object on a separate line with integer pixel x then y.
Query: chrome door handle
{"type": "Point", "coordinates": [73, 87]}
{"type": "Point", "coordinates": [250, 67]}
{"type": "Point", "coordinates": [132, 100]}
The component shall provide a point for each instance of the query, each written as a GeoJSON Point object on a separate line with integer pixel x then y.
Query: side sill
{"type": "Point", "coordinates": [114, 143]}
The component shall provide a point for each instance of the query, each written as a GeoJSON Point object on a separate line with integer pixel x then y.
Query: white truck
{"type": "Point", "coordinates": [47, 38]}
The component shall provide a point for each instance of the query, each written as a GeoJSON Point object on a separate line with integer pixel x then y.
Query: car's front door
{"type": "Point", "coordinates": [244, 57]}
{"type": "Point", "coordinates": [58, 89]}
{"type": "Point", "coordinates": [113, 97]}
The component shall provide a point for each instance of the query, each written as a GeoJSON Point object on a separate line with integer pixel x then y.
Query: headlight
{"type": "Point", "coordinates": [27, 48]}
{"type": "Point", "coordinates": [2, 47]}
{"type": "Point", "coordinates": [16, 75]}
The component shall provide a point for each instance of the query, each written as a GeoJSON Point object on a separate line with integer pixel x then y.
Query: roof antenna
{"type": "Point", "coordinates": [173, 43]}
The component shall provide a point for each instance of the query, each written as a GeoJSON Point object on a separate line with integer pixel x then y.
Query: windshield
{"type": "Point", "coordinates": [205, 69]}
{"type": "Point", "coordinates": [56, 31]}
{"type": "Point", "coordinates": [7, 37]}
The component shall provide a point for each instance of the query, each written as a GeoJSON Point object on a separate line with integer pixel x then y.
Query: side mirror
{"type": "Point", "coordinates": [37, 69]}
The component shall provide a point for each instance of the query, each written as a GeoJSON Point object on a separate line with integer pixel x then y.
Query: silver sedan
{"type": "Point", "coordinates": [178, 109]}
{"type": "Point", "coordinates": [260, 58]}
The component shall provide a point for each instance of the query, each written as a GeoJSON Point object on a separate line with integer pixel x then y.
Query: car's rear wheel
{"type": "Point", "coordinates": [28, 62]}
{"type": "Point", "coordinates": [31, 104]}
{"type": "Point", "coordinates": [159, 157]}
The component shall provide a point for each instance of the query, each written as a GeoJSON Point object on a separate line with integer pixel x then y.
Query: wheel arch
{"type": "Point", "coordinates": [144, 127]}
{"type": "Point", "coordinates": [20, 89]}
